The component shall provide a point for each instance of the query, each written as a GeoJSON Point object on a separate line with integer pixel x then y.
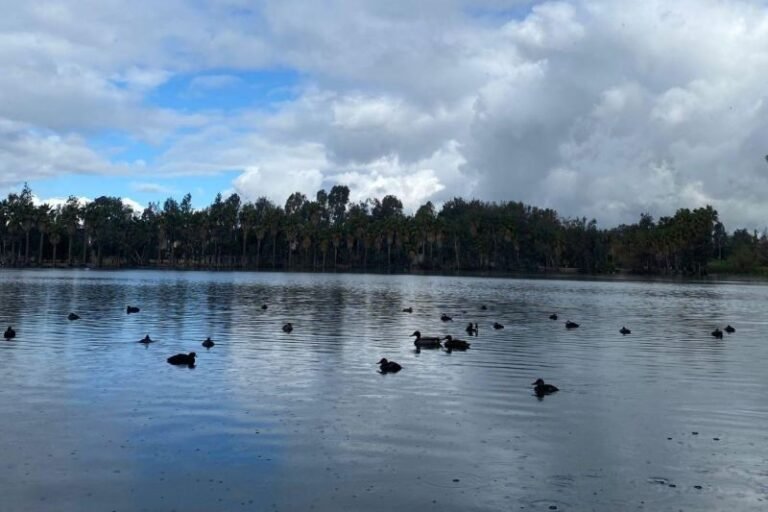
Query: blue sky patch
{"type": "Point", "coordinates": [225, 90]}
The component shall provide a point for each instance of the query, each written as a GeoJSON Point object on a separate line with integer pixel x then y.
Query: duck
{"type": "Point", "coordinates": [625, 331]}
{"type": "Point", "coordinates": [146, 340]}
{"type": "Point", "coordinates": [388, 366]}
{"type": "Point", "coordinates": [483, 307]}
{"type": "Point", "coordinates": [553, 316]}
{"type": "Point", "coordinates": [472, 329]}
{"type": "Point", "coordinates": [446, 318]}
{"type": "Point", "coordinates": [73, 316]}
{"type": "Point", "coordinates": [452, 344]}
{"type": "Point", "coordinates": [208, 343]}
{"type": "Point", "coordinates": [571, 325]}
{"type": "Point", "coordinates": [183, 359]}
{"type": "Point", "coordinates": [426, 342]}
{"type": "Point", "coordinates": [288, 327]}
{"type": "Point", "coordinates": [541, 388]}
{"type": "Point", "coordinates": [408, 310]}
{"type": "Point", "coordinates": [264, 306]}
{"type": "Point", "coordinates": [131, 309]}
{"type": "Point", "coordinates": [9, 333]}
{"type": "Point", "coordinates": [497, 325]}
{"type": "Point", "coordinates": [729, 329]}
{"type": "Point", "coordinates": [717, 333]}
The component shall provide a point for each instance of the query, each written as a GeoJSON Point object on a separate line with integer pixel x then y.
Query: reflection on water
{"type": "Point", "coordinates": [666, 418]}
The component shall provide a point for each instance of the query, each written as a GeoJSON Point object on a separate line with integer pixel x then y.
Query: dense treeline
{"type": "Point", "coordinates": [331, 233]}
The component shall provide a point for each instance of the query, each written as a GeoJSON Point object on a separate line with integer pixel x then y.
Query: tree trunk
{"type": "Point", "coordinates": [26, 250]}
{"type": "Point", "coordinates": [85, 247]}
{"type": "Point", "coordinates": [40, 250]}
{"type": "Point", "coordinates": [245, 245]}
{"type": "Point", "coordinates": [274, 250]}
{"type": "Point", "coordinates": [456, 252]}
{"type": "Point", "coordinates": [69, 250]}
{"type": "Point", "coordinates": [54, 255]}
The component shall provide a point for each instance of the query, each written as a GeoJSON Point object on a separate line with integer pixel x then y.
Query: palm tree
{"type": "Point", "coordinates": [248, 219]}
{"type": "Point", "coordinates": [44, 219]}
{"type": "Point", "coordinates": [70, 219]}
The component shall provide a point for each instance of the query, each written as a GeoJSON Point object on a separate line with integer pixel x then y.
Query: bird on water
{"type": "Point", "coordinates": [183, 359]}
{"type": "Point", "coordinates": [472, 329]}
{"type": "Point", "coordinates": [445, 318]}
{"type": "Point", "coordinates": [571, 325]}
{"type": "Point", "coordinates": [497, 325]}
{"type": "Point", "coordinates": [131, 309]}
{"type": "Point", "coordinates": [146, 340]}
{"type": "Point", "coordinates": [455, 344]}
{"type": "Point", "coordinates": [553, 316]}
{"type": "Point", "coordinates": [729, 329]}
{"type": "Point", "coordinates": [541, 388]}
{"type": "Point", "coordinates": [9, 333]}
{"type": "Point", "coordinates": [426, 341]}
{"type": "Point", "coordinates": [288, 327]}
{"type": "Point", "coordinates": [208, 343]}
{"type": "Point", "coordinates": [388, 366]}
{"type": "Point", "coordinates": [73, 316]}
{"type": "Point", "coordinates": [625, 331]}
{"type": "Point", "coordinates": [717, 333]}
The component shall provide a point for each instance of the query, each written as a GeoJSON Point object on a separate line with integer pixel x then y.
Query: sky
{"type": "Point", "coordinates": [599, 109]}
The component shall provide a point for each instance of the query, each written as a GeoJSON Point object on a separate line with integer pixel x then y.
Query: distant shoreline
{"type": "Point", "coordinates": [574, 274]}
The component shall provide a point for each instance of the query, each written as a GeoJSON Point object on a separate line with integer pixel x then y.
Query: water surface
{"type": "Point", "coordinates": [92, 420]}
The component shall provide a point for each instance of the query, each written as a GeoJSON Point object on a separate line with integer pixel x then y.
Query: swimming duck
{"type": "Point", "coordinates": [9, 333]}
{"type": "Point", "coordinates": [426, 342]}
{"type": "Point", "coordinates": [72, 316]}
{"type": "Point", "coordinates": [729, 329]}
{"type": "Point", "coordinates": [497, 325]}
{"type": "Point", "coordinates": [408, 310]}
{"type": "Point", "coordinates": [388, 366]}
{"type": "Point", "coordinates": [208, 343]}
{"type": "Point", "coordinates": [472, 329]}
{"type": "Point", "coordinates": [625, 331]}
{"type": "Point", "coordinates": [717, 333]}
{"type": "Point", "coordinates": [541, 388]}
{"type": "Point", "coordinates": [263, 306]}
{"type": "Point", "coordinates": [146, 340]}
{"type": "Point", "coordinates": [571, 325]}
{"type": "Point", "coordinates": [183, 359]}
{"type": "Point", "coordinates": [452, 344]}
{"type": "Point", "coordinates": [288, 327]}
{"type": "Point", "coordinates": [483, 307]}
{"type": "Point", "coordinates": [553, 316]}
{"type": "Point", "coordinates": [131, 309]}
{"type": "Point", "coordinates": [445, 318]}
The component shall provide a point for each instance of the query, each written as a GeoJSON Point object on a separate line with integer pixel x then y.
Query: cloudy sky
{"type": "Point", "coordinates": [602, 109]}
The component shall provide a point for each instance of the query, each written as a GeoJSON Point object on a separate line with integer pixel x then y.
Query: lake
{"type": "Point", "coordinates": [666, 418]}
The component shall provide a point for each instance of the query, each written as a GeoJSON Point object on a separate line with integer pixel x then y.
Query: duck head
{"type": "Point", "coordinates": [417, 334]}
{"type": "Point", "coordinates": [539, 382]}
{"type": "Point", "coordinates": [383, 361]}
{"type": "Point", "coordinates": [448, 337]}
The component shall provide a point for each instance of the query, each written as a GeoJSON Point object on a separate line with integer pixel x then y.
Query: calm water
{"type": "Point", "coordinates": [92, 420]}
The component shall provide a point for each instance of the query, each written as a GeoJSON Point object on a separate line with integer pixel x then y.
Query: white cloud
{"type": "Point", "coordinates": [277, 184]}
{"type": "Point", "coordinates": [603, 109]}
{"type": "Point", "coordinates": [55, 202]}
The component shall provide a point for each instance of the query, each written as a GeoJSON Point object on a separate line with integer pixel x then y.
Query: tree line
{"type": "Point", "coordinates": [329, 232]}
